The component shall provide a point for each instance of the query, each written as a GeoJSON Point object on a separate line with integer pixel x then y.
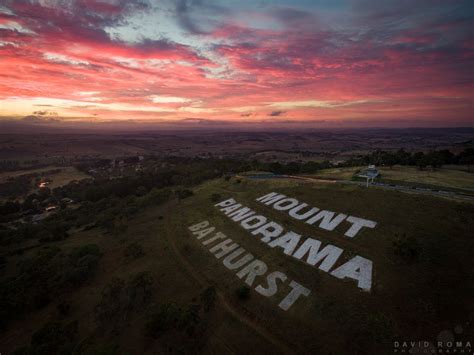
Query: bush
{"type": "Point", "coordinates": [407, 249]}
{"type": "Point", "coordinates": [243, 292]}
{"type": "Point", "coordinates": [120, 298]}
{"type": "Point", "coordinates": [166, 317]}
{"type": "Point", "coordinates": [43, 277]}
{"type": "Point", "coordinates": [133, 251]}
{"type": "Point", "coordinates": [110, 305]}
{"type": "Point", "coordinates": [169, 316]}
{"type": "Point", "coordinates": [52, 338]}
{"type": "Point", "coordinates": [82, 265]}
{"type": "Point", "coordinates": [139, 290]}
{"type": "Point", "coordinates": [208, 298]}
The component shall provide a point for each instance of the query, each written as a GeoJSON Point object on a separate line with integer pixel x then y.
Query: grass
{"type": "Point", "coordinates": [421, 249]}
{"type": "Point", "coordinates": [65, 176]}
{"type": "Point", "coordinates": [345, 173]}
{"type": "Point", "coordinates": [172, 285]}
{"type": "Point", "coordinates": [444, 177]}
{"type": "Point", "coordinates": [440, 177]}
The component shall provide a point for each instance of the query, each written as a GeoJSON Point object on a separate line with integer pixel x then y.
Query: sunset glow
{"type": "Point", "coordinates": [238, 61]}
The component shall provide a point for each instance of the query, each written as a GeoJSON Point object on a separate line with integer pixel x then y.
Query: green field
{"type": "Point", "coordinates": [445, 177]}
{"type": "Point", "coordinates": [63, 177]}
{"type": "Point", "coordinates": [56, 176]}
{"type": "Point", "coordinates": [423, 282]}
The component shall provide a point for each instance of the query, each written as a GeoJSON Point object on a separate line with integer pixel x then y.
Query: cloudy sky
{"type": "Point", "coordinates": [386, 62]}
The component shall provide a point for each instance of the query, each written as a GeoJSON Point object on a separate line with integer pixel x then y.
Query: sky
{"type": "Point", "coordinates": [384, 63]}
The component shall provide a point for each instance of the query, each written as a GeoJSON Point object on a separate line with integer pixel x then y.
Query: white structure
{"type": "Point", "coordinates": [370, 174]}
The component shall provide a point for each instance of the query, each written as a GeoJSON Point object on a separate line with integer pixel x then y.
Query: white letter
{"type": "Point", "coordinates": [219, 235]}
{"type": "Point", "coordinates": [269, 231]}
{"type": "Point", "coordinates": [229, 259]}
{"type": "Point", "coordinates": [241, 214]}
{"type": "Point", "coordinates": [294, 212]}
{"type": "Point", "coordinates": [327, 222]}
{"type": "Point", "coordinates": [272, 284]}
{"type": "Point", "coordinates": [225, 247]}
{"type": "Point", "coordinates": [253, 269]}
{"type": "Point", "coordinates": [357, 224]}
{"type": "Point", "coordinates": [358, 268]}
{"type": "Point", "coordinates": [198, 226]}
{"type": "Point", "coordinates": [272, 197]}
{"type": "Point", "coordinates": [259, 221]}
{"type": "Point", "coordinates": [328, 256]}
{"type": "Point", "coordinates": [288, 242]}
{"type": "Point", "coordinates": [294, 294]}
{"type": "Point", "coordinates": [225, 203]}
{"type": "Point", "coordinates": [202, 233]}
{"type": "Point", "coordinates": [231, 208]}
{"type": "Point", "coordinates": [285, 204]}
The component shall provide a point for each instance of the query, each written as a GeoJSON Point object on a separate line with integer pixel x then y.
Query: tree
{"type": "Point", "coordinates": [420, 160]}
{"type": "Point", "coordinates": [467, 157]}
{"type": "Point", "coordinates": [434, 159]}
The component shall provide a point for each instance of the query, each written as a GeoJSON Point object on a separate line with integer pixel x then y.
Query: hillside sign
{"type": "Point", "coordinates": [307, 249]}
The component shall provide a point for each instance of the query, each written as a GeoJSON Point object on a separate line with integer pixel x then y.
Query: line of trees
{"type": "Point", "coordinates": [435, 159]}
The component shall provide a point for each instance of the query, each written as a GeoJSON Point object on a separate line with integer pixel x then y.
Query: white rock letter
{"type": "Point", "coordinates": [272, 284]}
{"type": "Point", "coordinates": [295, 293]}
{"type": "Point", "coordinates": [358, 268]}
{"type": "Point", "coordinates": [270, 198]}
{"type": "Point", "coordinates": [357, 224]}
{"type": "Point", "coordinates": [328, 256]}
{"type": "Point", "coordinates": [269, 231]}
{"type": "Point", "coordinates": [198, 226]}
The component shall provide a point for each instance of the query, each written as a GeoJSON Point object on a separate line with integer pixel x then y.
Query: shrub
{"type": "Point", "coordinates": [189, 319]}
{"type": "Point", "coordinates": [166, 317]}
{"type": "Point", "coordinates": [139, 290]}
{"type": "Point", "coordinates": [52, 338]}
{"type": "Point", "coordinates": [120, 298]}
{"type": "Point", "coordinates": [82, 265]}
{"type": "Point", "coordinates": [3, 261]}
{"type": "Point", "coordinates": [169, 316]}
{"type": "Point", "coordinates": [133, 251]}
{"type": "Point", "coordinates": [408, 249]}
{"type": "Point", "coordinates": [243, 292]}
{"type": "Point", "coordinates": [110, 304]}
{"type": "Point", "coordinates": [208, 298]}
{"type": "Point", "coordinates": [43, 277]}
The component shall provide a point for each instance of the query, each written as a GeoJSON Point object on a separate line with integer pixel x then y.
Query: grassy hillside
{"type": "Point", "coordinates": [420, 251]}
{"type": "Point", "coordinates": [446, 177]}
{"type": "Point", "coordinates": [155, 288]}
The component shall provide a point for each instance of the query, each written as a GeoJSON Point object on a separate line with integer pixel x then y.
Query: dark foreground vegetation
{"type": "Point", "coordinates": [89, 247]}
